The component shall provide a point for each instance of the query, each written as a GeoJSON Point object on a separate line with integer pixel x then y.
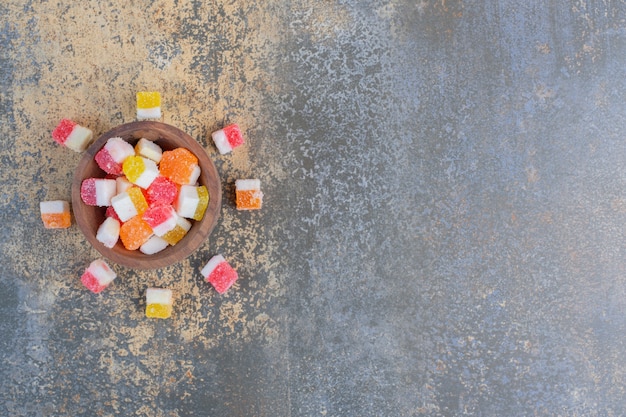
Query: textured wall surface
{"type": "Point", "coordinates": [442, 232]}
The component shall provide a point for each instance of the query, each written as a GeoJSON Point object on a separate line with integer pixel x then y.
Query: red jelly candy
{"type": "Point", "coordinates": [63, 130]}
{"type": "Point", "coordinates": [233, 135]}
{"type": "Point", "coordinates": [222, 277]}
{"type": "Point", "coordinates": [162, 190]}
{"type": "Point", "coordinates": [88, 191]}
{"type": "Point", "coordinates": [106, 162]}
{"type": "Point", "coordinates": [110, 212]}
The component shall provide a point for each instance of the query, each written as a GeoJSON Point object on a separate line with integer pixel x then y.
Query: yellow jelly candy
{"type": "Point", "coordinates": [138, 199]}
{"type": "Point", "coordinates": [148, 105]}
{"type": "Point", "coordinates": [203, 195]}
{"type": "Point", "coordinates": [178, 232]}
{"type": "Point", "coordinates": [158, 303]}
{"type": "Point", "coordinates": [148, 99]}
{"type": "Point", "coordinates": [158, 311]}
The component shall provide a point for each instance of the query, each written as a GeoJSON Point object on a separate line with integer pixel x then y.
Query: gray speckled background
{"type": "Point", "coordinates": [442, 232]}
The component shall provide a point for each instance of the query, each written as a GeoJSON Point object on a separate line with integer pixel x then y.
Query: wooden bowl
{"type": "Point", "coordinates": [167, 137]}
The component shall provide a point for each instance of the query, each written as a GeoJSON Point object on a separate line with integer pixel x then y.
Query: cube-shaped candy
{"type": "Point", "coordinates": [162, 190]}
{"type": "Point", "coordinates": [149, 149]}
{"type": "Point", "coordinates": [148, 105]}
{"type": "Point", "coordinates": [219, 273]}
{"type": "Point", "coordinates": [55, 214]}
{"type": "Point", "coordinates": [228, 138]}
{"type": "Point", "coordinates": [161, 218]}
{"type": "Point", "coordinates": [140, 171]}
{"type": "Point", "coordinates": [108, 232]}
{"type": "Point", "coordinates": [159, 303]}
{"type": "Point", "coordinates": [110, 212]}
{"type": "Point", "coordinates": [248, 194]}
{"type": "Point", "coordinates": [180, 166]}
{"type": "Point", "coordinates": [72, 135]}
{"type": "Point", "coordinates": [97, 276]}
{"type": "Point", "coordinates": [113, 154]}
{"type": "Point", "coordinates": [178, 232]}
{"type": "Point", "coordinates": [153, 245]}
{"type": "Point", "coordinates": [192, 201]}
{"type": "Point", "coordinates": [122, 184]}
{"type": "Point", "coordinates": [129, 204]}
{"type": "Point", "coordinates": [97, 191]}
{"type": "Point", "coordinates": [134, 233]}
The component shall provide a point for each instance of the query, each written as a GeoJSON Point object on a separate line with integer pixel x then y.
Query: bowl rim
{"type": "Point", "coordinates": [200, 230]}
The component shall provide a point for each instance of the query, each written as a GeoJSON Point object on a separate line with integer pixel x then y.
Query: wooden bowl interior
{"type": "Point", "coordinates": [167, 137]}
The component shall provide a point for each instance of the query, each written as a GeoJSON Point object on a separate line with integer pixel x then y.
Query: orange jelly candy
{"type": "Point", "coordinates": [248, 195]}
{"type": "Point", "coordinates": [134, 233]}
{"type": "Point", "coordinates": [180, 166]}
{"type": "Point", "coordinates": [55, 214]}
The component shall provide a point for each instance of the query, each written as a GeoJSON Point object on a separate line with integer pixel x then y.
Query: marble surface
{"type": "Point", "coordinates": [442, 230]}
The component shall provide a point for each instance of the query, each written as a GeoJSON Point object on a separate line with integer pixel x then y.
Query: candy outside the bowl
{"type": "Point", "coordinates": [227, 138]}
{"type": "Point", "coordinates": [98, 276]}
{"type": "Point", "coordinates": [159, 303]}
{"type": "Point", "coordinates": [72, 135]}
{"type": "Point", "coordinates": [55, 214]}
{"type": "Point", "coordinates": [219, 273]}
{"type": "Point", "coordinates": [148, 105]}
{"type": "Point", "coordinates": [248, 194]}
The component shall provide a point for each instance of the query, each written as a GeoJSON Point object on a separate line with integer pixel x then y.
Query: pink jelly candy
{"type": "Point", "coordinates": [97, 191]}
{"type": "Point", "coordinates": [72, 135]}
{"type": "Point", "coordinates": [112, 155]}
{"type": "Point", "coordinates": [98, 276]}
{"type": "Point", "coordinates": [162, 190]}
{"type": "Point", "coordinates": [161, 218]}
{"type": "Point", "coordinates": [219, 273]}
{"type": "Point", "coordinates": [228, 138]}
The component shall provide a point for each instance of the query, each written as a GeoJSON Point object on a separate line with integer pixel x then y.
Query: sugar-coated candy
{"type": "Point", "coordinates": [162, 190]}
{"type": "Point", "coordinates": [134, 233]}
{"type": "Point", "coordinates": [248, 194]}
{"type": "Point", "coordinates": [110, 212]}
{"type": "Point", "coordinates": [148, 105]}
{"type": "Point", "coordinates": [153, 245]}
{"type": "Point", "coordinates": [192, 201]}
{"type": "Point", "coordinates": [97, 276]}
{"type": "Point", "coordinates": [228, 138]}
{"type": "Point", "coordinates": [180, 166]}
{"type": "Point", "coordinates": [97, 191]}
{"type": "Point", "coordinates": [113, 154]}
{"type": "Point", "coordinates": [122, 184]}
{"type": "Point", "coordinates": [149, 149]}
{"type": "Point", "coordinates": [161, 218]}
{"type": "Point", "coordinates": [129, 203]}
{"type": "Point", "coordinates": [159, 303]}
{"type": "Point", "coordinates": [108, 232]}
{"type": "Point", "coordinates": [219, 273]}
{"type": "Point", "coordinates": [72, 135]}
{"type": "Point", "coordinates": [178, 232]}
{"type": "Point", "coordinates": [140, 171]}
{"type": "Point", "coordinates": [55, 214]}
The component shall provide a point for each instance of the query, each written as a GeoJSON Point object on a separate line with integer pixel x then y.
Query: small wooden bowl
{"type": "Point", "coordinates": [167, 137]}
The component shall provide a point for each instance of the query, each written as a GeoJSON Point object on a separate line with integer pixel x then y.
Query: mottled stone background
{"type": "Point", "coordinates": [442, 233]}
